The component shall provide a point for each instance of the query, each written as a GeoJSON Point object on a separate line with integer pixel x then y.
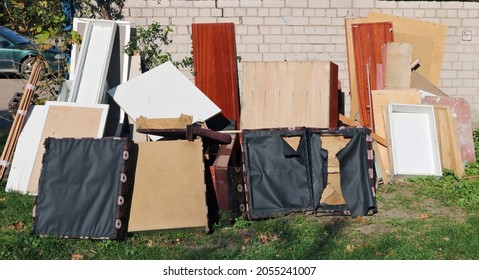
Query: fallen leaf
{"type": "Point", "coordinates": [424, 216]}
{"type": "Point", "coordinates": [275, 237]}
{"type": "Point", "coordinates": [17, 226]}
{"type": "Point", "coordinates": [246, 240]}
{"type": "Point", "coordinates": [150, 243]}
{"type": "Point", "coordinates": [379, 254]}
{"type": "Point", "coordinates": [445, 239]}
{"type": "Point", "coordinates": [264, 239]}
{"type": "Point", "coordinates": [350, 248]}
{"type": "Point", "coordinates": [361, 219]}
{"type": "Point", "coordinates": [77, 256]}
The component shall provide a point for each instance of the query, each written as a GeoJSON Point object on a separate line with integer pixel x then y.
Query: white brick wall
{"type": "Point", "coordinates": [277, 30]}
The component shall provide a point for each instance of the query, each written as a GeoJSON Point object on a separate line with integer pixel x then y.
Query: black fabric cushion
{"type": "Point", "coordinates": [85, 188]}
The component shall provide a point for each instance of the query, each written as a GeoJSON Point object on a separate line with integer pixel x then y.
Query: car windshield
{"type": "Point", "coordinates": [13, 37]}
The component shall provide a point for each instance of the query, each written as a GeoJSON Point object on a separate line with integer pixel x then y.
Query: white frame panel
{"type": "Point", "coordinates": [89, 84]}
{"type": "Point", "coordinates": [413, 143]}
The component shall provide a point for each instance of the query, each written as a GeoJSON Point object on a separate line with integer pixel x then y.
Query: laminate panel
{"type": "Point", "coordinates": [398, 65]}
{"type": "Point", "coordinates": [368, 39]}
{"type": "Point", "coordinates": [215, 67]}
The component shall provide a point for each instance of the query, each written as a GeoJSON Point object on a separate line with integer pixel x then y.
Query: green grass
{"type": "Point", "coordinates": [421, 219]}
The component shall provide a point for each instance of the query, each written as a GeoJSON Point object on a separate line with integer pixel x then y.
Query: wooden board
{"type": "Point", "coordinates": [381, 98]}
{"type": "Point", "coordinates": [398, 65]}
{"type": "Point", "coordinates": [368, 39]}
{"type": "Point", "coordinates": [448, 141]}
{"type": "Point", "coordinates": [428, 40]}
{"type": "Point", "coordinates": [353, 84]}
{"type": "Point", "coordinates": [23, 160]}
{"type": "Point", "coordinates": [169, 189]}
{"type": "Point", "coordinates": [89, 85]}
{"type": "Point", "coordinates": [289, 94]}
{"type": "Point", "coordinates": [215, 67]}
{"type": "Point", "coordinates": [163, 92]}
{"type": "Point", "coordinates": [64, 120]}
{"type": "Point", "coordinates": [461, 113]}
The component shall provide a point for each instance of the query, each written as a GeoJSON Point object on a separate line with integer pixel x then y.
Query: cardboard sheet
{"type": "Point", "coordinates": [63, 120]}
{"type": "Point", "coordinates": [169, 189]}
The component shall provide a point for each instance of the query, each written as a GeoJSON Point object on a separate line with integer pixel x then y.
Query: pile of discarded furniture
{"type": "Point", "coordinates": [124, 151]}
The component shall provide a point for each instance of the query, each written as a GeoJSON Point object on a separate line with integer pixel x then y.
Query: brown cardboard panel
{"type": "Point", "coordinates": [332, 194]}
{"type": "Point", "coordinates": [382, 98]}
{"type": "Point", "coordinates": [368, 40]}
{"type": "Point", "coordinates": [289, 94]}
{"type": "Point", "coordinates": [181, 122]}
{"type": "Point", "coordinates": [461, 113]}
{"type": "Point", "coordinates": [419, 82]}
{"type": "Point", "coordinates": [63, 122]}
{"type": "Point", "coordinates": [420, 34]}
{"type": "Point", "coordinates": [447, 139]}
{"type": "Point", "coordinates": [169, 189]}
{"type": "Point", "coordinates": [398, 65]}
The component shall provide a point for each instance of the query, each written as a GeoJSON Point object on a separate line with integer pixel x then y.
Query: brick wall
{"type": "Point", "coordinates": [278, 30]}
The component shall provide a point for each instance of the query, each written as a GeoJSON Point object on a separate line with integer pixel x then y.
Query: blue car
{"type": "Point", "coordinates": [17, 55]}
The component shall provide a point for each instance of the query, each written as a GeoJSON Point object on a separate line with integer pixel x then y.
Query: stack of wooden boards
{"type": "Point", "coordinates": [395, 61]}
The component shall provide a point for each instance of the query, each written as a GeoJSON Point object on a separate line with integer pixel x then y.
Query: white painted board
{"type": "Point", "coordinates": [23, 160]}
{"type": "Point", "coordinates": [163, 92]}
{"type": "Point", "coordinates": [89, 85]}
{"type": "Point", "coordinates": [414, 149]}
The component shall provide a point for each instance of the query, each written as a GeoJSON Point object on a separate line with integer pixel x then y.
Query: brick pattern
{"type": "Point", "coordinates": [278, 30]}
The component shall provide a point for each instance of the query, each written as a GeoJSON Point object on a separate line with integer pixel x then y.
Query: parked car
{"type": "Point", "coordinates": [17, 54]}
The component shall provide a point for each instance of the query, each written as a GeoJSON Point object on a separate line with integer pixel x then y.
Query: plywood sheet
{"type": "Point", "coordinates": [169, 187]}
{"type": "Point", "coordinates": [23, 159]}
{"type": "Point", "coordinates": [215, 67]}
{"type": "Point", "coordinates": [448, 140]}
{"type": "Point", "coordinates": [368, 39]}
{"type": "Point", "coordinates": [163, 92]}
{"type": "Point", "coordinates": [413, 141]}
{"type": "Point", "coordinates": [289, 94]}
{"type": "Point", "coordinates": [461, 113]}
{"type": "Point", "coordinates": [428, 40]}
{"type": "Point", "coordinates": [398, 65]}
{"type": "Point", "coordinates": [64, 120]}
{"type": "Point", "coordinates": [381, 98]}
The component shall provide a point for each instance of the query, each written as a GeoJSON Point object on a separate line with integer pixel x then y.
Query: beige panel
{"type": "Point", "coordinates": [420, 34]}
{"type": "Point", "coordinates": [398, 65]}
{"type": "Point", "coordinates": [332, 194]}
{"type": "Point", "coordinates": [67, 121]}
{"type": "Point", "coordinates": [169, 189]}
{"type": "Point", "coordinates": [381, 98]}
{"type": "Point", "coordinates": [448, 141]}
{"type": "Point", "coordinates": [285, 94]}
